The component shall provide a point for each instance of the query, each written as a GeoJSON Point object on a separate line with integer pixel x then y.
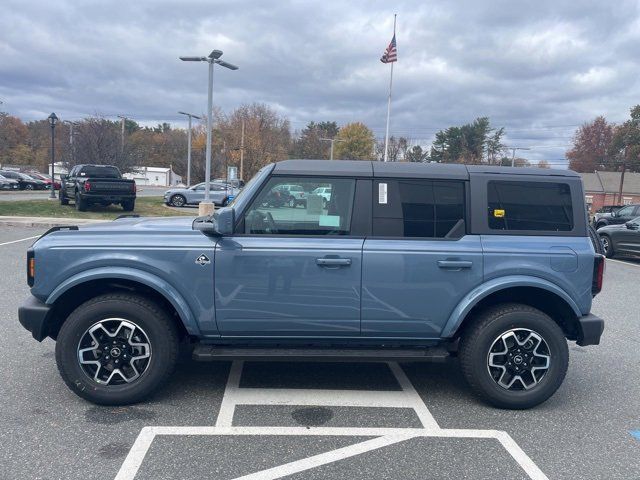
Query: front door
{"type": "Point", "coordinates": [419, 263]}
{"type": "Point", "coordinates": [291, 271]}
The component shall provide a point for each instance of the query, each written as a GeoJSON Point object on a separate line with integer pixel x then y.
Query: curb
{"type": "Point", "coordinates": [45, 221]}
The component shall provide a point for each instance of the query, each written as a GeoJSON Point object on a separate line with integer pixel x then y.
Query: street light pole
{"type": "Point", "coordinates": [190, 115]}
{"type": "Point", "coordinates": [53, 119]}
{"type": "Point", "coordinates": [332, 140]}
{"type": "Point", "coordinates": [206, 207]}
{"type": "Point", "coordinates": [513, 158]}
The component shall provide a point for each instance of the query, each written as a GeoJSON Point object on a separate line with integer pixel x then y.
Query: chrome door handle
{"type": "Point", "coordinates": [454, 264]}
{"type": "Point", "coordinates": [333, 262]}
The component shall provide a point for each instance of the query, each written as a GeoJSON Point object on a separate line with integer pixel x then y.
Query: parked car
{"type": "Point", "coordinates": [25, 182]}
{"type": "Point", "coordinates": [46, 179]}
{"type": "Point", "coordinates": [8, 184]}
{"type": "Point", "coordinates": [617, 216]}
{"type": "Point", "coordinates": [409, 261]}
{"type": "Point", "coordinates": [102, 185]}
{"type": "Point", "coordinates": [219, 194]}
{"type": "Point", "coordinates": [325, 193]}
{"type": "Point", "coordinates": [293, 195]}
{"type": "Point", "coordinates": [621, 240]}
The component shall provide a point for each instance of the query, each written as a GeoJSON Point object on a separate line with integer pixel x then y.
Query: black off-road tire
{"type": "Point", "coordinates": [609, 252]}
{"type": "Point", "coordinates": [81, 205]}
{"type": "Point", "coordinates": [129, 205]}
{"type": "Point", "coordinates": [596, 240]}
{"type": "Point", "coordinates": [488, 326]}
{"type": "Point", "coordinates": [162, 335]}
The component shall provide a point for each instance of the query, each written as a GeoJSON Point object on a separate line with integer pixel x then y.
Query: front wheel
{"type": "Point", "coordinates": [514, 356]}
{"type": "Point", "coordinates": [117, 349]}
{"type": "Point", "coordinates": [28, 186]}
{"type": "Point", "coordinates": [178, 201]}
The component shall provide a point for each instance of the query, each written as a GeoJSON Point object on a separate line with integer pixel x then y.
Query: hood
{"type": "Point", "coordinates": [142, 224]}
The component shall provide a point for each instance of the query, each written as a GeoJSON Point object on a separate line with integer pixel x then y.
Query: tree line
{"type": "Point", "coordinates": [601, 145]}
{"type": "Point", "coordinates": [268, 137]}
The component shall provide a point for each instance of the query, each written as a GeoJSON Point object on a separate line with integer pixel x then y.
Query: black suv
{"type": "Point", "coordinates": [624, 215]}
{"type": "Point", "coordinates": [25, 182]}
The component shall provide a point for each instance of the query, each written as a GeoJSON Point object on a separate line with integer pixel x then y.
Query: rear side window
{"type": "Point", "coordinates": [539, 206]}
{"type": "Point", "coordinates": [417, 208]}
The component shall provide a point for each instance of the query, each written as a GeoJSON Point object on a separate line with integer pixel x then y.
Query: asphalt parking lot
{"type": "Point", "coordinates": [326, 420]}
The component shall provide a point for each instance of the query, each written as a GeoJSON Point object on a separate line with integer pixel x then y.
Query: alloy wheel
{"type": "Point", "coordinates": [519, 359]}
{"type": "Point", "coordinates": [114, 351]}
{"type": "Point", "coordinates": [178, 201]}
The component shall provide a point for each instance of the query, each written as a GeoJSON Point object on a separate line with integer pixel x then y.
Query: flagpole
{"type": "Point", "coordinates": [386, 137]}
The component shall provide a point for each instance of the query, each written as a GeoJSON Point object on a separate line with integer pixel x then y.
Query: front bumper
{"type": "Point", "coordinates": [34, 315]}
{"type": "Point", "coordinates": [590, 330]}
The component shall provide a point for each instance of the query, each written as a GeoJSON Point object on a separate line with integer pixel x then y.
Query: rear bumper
{"type": "Point", "coordinates": [33, 315]}
{"type": "Point", "coordinates": [590, 330]}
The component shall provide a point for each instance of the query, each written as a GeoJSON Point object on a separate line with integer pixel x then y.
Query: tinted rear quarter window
{"type": "Point", "coordinates": [417, 208]}
{"type": "Point", "coordinates": [529, 206]}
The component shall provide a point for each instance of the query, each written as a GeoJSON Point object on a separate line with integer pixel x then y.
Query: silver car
{"type": "Point", "coordinates": [219, 194]}
{"type": "Point", "coordinates": [8, 184]}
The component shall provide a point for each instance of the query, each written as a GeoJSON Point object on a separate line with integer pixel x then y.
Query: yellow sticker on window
{"type": "Point", "coordinates": [498, 213]}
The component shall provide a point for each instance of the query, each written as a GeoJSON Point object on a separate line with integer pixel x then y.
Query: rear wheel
{"type": "Point", "coordinates": [116, 349]}
{"type": "Point", "coordinates": [128, 205]}
{"type": "Point", "coordinates": [81, 205]}
{"type": "Point", "coordinates": [514, 356]}
{"type": "Point", "coordinates": [28, 186]}
{"type": "Point", "coordinates": [608, 246]}
{"type": "Point", "coordinates": [63, 198]}
{"type": "Point", "coordinates": [292, 202]}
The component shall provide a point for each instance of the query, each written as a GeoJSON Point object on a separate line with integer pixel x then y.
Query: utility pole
{"type": "Point", "coordinates": [513, 157]}
{"type": "Point", "coordinates": [242, 152]}
{"type": "Point", "coordinates": [624, 167]}
{"type": "Point", "coordinates": [332, 140]}
{"type": "Point", "coordinates": [71, 152]}
{"type": "Point", "coordinates": [190, 115]}
{"type": "Point", "coordinates": [123, 119]}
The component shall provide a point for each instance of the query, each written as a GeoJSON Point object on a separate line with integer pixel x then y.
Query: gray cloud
{"type": "Point", "coordinates": [537, 68]}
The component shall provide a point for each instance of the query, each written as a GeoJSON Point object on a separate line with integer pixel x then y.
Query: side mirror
{"type": "Point", "coordinates": [632, 225]}
{"type": "Point", "coordinates": [219, 224]}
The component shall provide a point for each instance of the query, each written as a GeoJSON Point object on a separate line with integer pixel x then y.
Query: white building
{"type": "Point", "coordinates": [154, 176]}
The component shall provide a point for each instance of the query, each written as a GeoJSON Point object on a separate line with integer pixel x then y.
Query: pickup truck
{"type": "Point", "coordinates": [97, 184]}
{"type": "Point", "coordinates": [412, 262]}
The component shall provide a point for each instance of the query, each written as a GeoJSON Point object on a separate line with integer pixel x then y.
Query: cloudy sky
{"type": "Point", "coordinates": [538, 68]}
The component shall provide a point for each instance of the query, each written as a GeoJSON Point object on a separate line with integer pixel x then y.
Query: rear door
{"type": "Point", "coordinates": [292, 271]}
{"type": "Point", "coordinates": [419, 263]}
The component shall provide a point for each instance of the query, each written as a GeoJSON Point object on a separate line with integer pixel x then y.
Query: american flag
{"type": "Point", "coordinates": [391, 53]}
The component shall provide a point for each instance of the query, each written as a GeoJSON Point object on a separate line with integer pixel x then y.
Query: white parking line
{"type": "Point", "coordinates": [21, 240]}
{"type": "Point", "coordinates": [623, 262]}
{"type": "Point", "coordinates": [408, 397]}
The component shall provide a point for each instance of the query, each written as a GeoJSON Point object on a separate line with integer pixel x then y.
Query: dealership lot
{"type": "Point", "coordinates": [327, 420]}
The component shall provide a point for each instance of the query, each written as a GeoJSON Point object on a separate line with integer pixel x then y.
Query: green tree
{"type": "Point", "coordinates": [310, 143]}
{"type": "Point", "coordinates": [355, 142]}
{"type": "Point", "coordinates": [417, 154]}
{"type": "Point", "coordinates": [471, 143]}
{"type": "Point", "coordinates": [625, 143]}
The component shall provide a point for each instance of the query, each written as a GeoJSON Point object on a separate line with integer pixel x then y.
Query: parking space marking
{"type": "Point", "coordinates": [21, 240]}
{"type": "Point", "coordinates": [623, 262]}
{"type": "Point", "coordinates": [408, 397]}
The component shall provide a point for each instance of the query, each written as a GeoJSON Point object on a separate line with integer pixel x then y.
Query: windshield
{"type": "Point", "coordinates": [98, 171]}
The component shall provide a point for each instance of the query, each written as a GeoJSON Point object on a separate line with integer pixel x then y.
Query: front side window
{"type": "Point", "coordinates": [625, 212]}
{"type": "Point", "coordinates": [539, 206]}
{"type": "Point", "coordinates": [280, 209]}
{"type": "Point", "coordinates": [417, 208]}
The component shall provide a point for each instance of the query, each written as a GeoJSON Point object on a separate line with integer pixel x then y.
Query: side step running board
{"type": "Point", "coordinates": [210, 353]}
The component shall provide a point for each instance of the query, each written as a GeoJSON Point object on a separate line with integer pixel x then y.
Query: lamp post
{"type": "Point", "coordinates": [53, 119]}
{"type": "Point", "coordinates": [206, 207]}
{"type": "Point", "coordinates": [190, 115]}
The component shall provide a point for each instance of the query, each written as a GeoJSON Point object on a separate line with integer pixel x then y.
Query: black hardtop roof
{"type": "Point", "coordinates": [366, 168]}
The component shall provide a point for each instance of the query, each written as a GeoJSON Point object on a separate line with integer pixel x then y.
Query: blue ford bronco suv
{"type": "Point", "coordinates": [403, 261]}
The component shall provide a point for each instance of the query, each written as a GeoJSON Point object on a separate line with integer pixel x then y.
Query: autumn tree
{"type": "Point", "coordinates": [543, 164]}
{"type": "Point", "coordinates": [267, 138]}
{"type": "Point", "coordinates": [592, 147]}
{"type": "Point", "coordinates": [355, 141]}
{"type": "Point", "coordinates": [99, 141]}
{"type": "Point", "coordinates": [396, 149]}
{"type": "Point", "coordinates": [13, 137]}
